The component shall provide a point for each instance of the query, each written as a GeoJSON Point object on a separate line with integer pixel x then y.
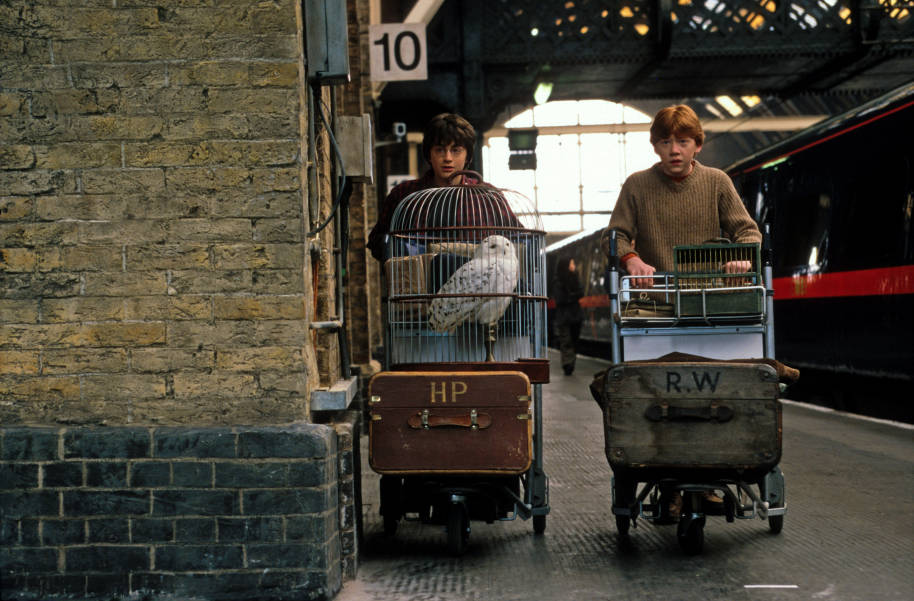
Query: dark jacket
{"type": "Point", "coordinates": [394, 198]}
{"type": "Point", "coordinates": [567, 292]}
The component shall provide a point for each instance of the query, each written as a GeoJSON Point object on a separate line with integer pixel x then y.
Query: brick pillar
{"type": "Point", "coordinates": [156, 300]}
{"type": "Point", "coordinates": [187, 512]}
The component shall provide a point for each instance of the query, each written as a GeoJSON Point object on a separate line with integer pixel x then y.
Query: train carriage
{"type": "Point", "coordinates": [838, 199]}
{"type": "Point", "coordinates": [836, 204]}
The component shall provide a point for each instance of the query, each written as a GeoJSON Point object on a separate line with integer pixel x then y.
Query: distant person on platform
{"type": "Point", "coordinates": [567, 292]}
{"type": "Point", "coordinates": [447, 145]}
{"type": "Point", "coordinates": [677, 201]}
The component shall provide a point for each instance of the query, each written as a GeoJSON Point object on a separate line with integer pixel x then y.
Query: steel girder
{"type": "Point", "coordinates": [485, 55]}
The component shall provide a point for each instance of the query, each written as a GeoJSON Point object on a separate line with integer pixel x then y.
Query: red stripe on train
{"type": "Point", "coordinates": [865, 282]}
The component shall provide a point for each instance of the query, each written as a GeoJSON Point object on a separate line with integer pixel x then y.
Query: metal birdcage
{"type": "Point", "coordinates": [706, 286]}
{"type": "Point", "coordinates": [716, 282]}
{"type": "Point", "coordinates": [466, 277]}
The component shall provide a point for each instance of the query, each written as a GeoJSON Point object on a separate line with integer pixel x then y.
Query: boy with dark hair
{"type": "Point", "coordinates": [678, 201]}
{"type": "Point", "coordinates": [448, 142]}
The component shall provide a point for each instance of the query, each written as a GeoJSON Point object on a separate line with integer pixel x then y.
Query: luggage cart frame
{"type": "Point", "coordinates": [455, 423]}
{"type": "Point", "coordinates": [456, 498]}
{"type": "Point", "coordinates": [642, 485]}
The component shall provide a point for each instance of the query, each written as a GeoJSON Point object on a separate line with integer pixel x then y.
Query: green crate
{"type": "Point", "coordinates": [700, 274]}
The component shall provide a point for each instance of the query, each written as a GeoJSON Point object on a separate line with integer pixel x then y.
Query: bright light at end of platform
{"type": "Point", "coordinates": [542, 92]}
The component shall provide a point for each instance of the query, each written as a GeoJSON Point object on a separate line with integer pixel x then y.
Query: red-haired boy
{"type": "Point", "coordinates": [677, 201]}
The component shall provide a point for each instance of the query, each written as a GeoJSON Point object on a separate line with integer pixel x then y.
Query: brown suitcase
{"type": "Point", "coordinates": [692, 415]}
{"type": "Point", "coordinates": [450, 422]}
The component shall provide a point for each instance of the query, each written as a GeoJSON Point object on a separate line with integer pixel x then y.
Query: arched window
{"type": "Point", "coordinates": [585, 150]}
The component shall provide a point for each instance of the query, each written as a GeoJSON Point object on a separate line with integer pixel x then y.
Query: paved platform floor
{"type": "Point", "coordinates": [848, 532]}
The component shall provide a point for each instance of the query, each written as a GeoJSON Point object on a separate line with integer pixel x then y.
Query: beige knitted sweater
{"type": "Point", "coordinates": [658, 213]}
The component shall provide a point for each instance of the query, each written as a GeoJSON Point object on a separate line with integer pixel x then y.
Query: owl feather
{"type": "Point", "coordinates": [492, 270]}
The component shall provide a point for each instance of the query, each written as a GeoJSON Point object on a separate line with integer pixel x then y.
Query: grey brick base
{"type": "Point", "coordinates": [348, 426]}
{"type": "Point", "coordinates": [212, 513]}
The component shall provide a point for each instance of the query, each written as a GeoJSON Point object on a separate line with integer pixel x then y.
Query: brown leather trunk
{"type": "Point", "coordinates": [450, 422]}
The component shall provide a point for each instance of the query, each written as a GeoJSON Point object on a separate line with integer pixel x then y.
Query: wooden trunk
{"type": "Point", "coordinates": [692, 415]}
{"type": "Point", "coordinates": [450, 422]}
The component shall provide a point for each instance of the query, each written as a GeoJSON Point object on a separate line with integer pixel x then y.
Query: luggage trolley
{"type": "Point", "coordinates": [455, 424]}
{"type": "Point", "coordinates": [691, 403]}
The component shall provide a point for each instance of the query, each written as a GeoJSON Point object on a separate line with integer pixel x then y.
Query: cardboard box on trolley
{"type": "Point", "coordinates": [450, 422]}
{"type": "Point", "coordinates": [668, 415]}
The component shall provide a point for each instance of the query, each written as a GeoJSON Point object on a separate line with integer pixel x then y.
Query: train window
{"type": "Point", "coordinates": [907, 230]}
{"type": "Point", "coordinates": [765, 201]}
{"type": "Point", "coordinates": [803, 223]}
{"type": "Point", "coordinates": [818, 234]}
{"type": "Point", "coordinates": [597, 270]}
{"type": "Point", "coordinates": [875, 213]}
{"type": "Point", "coordinates": [761, 209]}
{"type": "Point", "coordinates": [803, 218]}
{"type": "Point", "coordinates": [747, 185]}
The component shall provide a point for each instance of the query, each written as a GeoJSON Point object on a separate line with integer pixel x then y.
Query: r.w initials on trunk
{"type": "Point", "coordinates": [701, 379]}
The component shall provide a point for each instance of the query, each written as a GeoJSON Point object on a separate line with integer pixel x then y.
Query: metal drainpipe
{"type": "Point", "coordinates": [341, 244]}
{"type": "Point", "coordinates": [313, 189]}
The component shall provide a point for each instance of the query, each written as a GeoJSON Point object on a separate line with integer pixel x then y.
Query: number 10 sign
{"type": "Point", "coordinates": [398, 51]}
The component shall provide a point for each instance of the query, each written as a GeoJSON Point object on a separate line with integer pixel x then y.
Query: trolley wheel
{"type": "Point", "coordinates": [623, 523]}
{"type": "Point", "coordinates": [390, 503]}
{"type": "Point", "coordinates": [776, 523]}
{"type": "Point", "coordinates": [458, 529]}
{"type": "Point", "coordinates": [539, 524]}
{"type": "Point", "coordinates": [390, 525]}
{"type": "Point", "coordinates": [773, 490]}
{"type": "Point", "coordinates": [691, 535]}
{"type": "Point", "coordinates": [624, 491]}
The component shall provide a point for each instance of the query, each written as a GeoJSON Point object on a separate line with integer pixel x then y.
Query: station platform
{"type": "Point", "coordinates": [848, 532]}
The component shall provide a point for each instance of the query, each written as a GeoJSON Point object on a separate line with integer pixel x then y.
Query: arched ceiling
{"type": "Point", "coordinates": [799, 58]}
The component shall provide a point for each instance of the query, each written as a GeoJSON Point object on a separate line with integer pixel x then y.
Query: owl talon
{"type": "Point", "coordinates": [490, 343]}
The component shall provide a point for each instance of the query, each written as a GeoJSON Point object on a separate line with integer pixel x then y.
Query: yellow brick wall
{"type": "Point", "coordinates": [153, 199]}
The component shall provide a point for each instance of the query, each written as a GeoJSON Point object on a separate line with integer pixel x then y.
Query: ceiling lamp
{"type": "Point", "coordinates": [730, 105]}
{"type": "Point", "coordinates": [542, 92]}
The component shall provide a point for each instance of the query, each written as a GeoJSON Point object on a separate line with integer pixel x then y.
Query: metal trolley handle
{"type": "Point", "coordinates": [666, 412]}
{"type": "Point", "coordinates": [475, 174]}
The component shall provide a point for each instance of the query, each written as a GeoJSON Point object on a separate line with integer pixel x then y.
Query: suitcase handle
{"type": "Point", "coordinates": [712, 413]}
{"type": "Point", "coordinates": [423, 420]}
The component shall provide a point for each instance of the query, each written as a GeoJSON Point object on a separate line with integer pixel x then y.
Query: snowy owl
{"type": "Point", "coordinates": [492, 270]}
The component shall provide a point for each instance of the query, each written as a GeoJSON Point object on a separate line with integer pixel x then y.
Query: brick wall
{"type": "Point", "coordinates": [250, 513]}
{"type": "Point", "coordinates": [156, 293]}
{"type": "Point", "coordinates": [151, 214]}
{"type": "Point", "coordinates": [347, 425]}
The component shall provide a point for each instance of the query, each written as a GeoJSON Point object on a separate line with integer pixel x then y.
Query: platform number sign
{"type": "Point", "coordinates": [398, 51]}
